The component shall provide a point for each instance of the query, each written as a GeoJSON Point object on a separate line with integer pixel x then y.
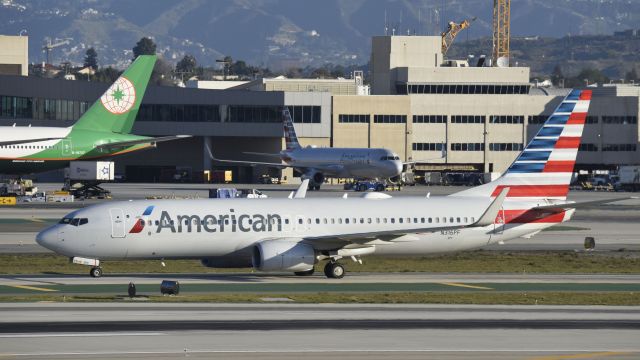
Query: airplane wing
{"type": "Point", "coordinates": [252, 163]}
{"type": "Point", "coordinates": [27, 141]}
{"type": "Point", "coordinates": [151, 141]}
{"type": "Point", "coordinates": [487, 218]}
{"type": "Point", "coordinates": [580, 205]}
{"type": "Point", "coordinates": [262, 154]}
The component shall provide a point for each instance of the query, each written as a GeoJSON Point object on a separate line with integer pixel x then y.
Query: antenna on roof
{"type": "Point", "coordinates": [386, 25]}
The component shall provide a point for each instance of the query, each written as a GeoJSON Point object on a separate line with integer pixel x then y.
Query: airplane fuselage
{"type": "Point", "coordinates": [345, 162]}
{"type": "Point", "coordinates": [66, 144]}
{"type": "Point", "coordinates": [231, 227]}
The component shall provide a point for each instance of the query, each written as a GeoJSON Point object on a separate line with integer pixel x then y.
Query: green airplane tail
{"type": "Point", "coordinates": [117, 108]}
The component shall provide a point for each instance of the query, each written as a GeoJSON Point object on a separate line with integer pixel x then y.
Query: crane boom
{"type": "Point", "coordinates": [452, 31]}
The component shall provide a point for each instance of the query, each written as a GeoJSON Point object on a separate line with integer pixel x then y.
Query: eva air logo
{"type": "Point", "coordinates": [120, 97]}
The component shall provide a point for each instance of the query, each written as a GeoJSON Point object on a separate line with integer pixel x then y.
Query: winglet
{"type": "Point", "coordinates": [301, 193]}
{"type": "Point", "coordinates": [491, 213]}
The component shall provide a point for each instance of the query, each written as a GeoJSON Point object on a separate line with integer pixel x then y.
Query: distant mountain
{"type": "Point", "coordinates": [282, 33]}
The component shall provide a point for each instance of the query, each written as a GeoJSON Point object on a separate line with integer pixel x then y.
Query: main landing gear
{"type": "Point", "coordinates": [95, 272]}
{"type": "Point", "coordinates": [334, 270]}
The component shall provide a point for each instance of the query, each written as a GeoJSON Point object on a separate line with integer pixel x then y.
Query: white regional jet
{"type": "Point", "coordinates": [294, 234]}
{"type": "Point", "coordinates": [316, 164]}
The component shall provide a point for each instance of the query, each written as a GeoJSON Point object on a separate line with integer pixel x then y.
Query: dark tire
{"type": "Point", "coordinates": [95, 272]}
{"type": "Point", "coordinates": [380, 187]}
{"type": "Point", "coordinates": [305, 273]}
{"type": "Point", "coordinates": [334, 270]}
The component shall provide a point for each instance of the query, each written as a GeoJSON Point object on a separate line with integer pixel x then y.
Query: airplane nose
{"type": "Point", "coordinates": [47, 237]}
{"type": "Point", "coordinates": [398, 167]}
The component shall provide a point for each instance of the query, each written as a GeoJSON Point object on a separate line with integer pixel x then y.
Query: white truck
{"type": "Point", "coordinates": [82, 178]}
{"type": "Point", "coordinates": [628, 178]}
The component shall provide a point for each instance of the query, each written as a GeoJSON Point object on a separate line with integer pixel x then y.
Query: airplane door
{"type": "Point", "coordinates": [66, 147]}
{"type": "Point", "coordinates": [299, 225]}
{"type": "Point", "coordinates": [117, 223]}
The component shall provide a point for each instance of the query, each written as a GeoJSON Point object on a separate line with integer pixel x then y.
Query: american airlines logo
{"type": "Point", "coordinates": [230, 222]}
{"type": "Point", "coordinates": [139, 225]}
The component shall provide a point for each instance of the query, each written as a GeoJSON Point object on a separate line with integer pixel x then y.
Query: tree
{"type": "Point", "coordinates": [632, 75]}
{"type": "Point", "coordinates": [557, 75]}
{"type": "Point", "coordinates": [187, 66]}
{"type": "Point", "coordinates": [91, 58]}
{"type": "Point", "coordinates": [107, 74]}
{"type": "Point", "coordinates": [145, 46]}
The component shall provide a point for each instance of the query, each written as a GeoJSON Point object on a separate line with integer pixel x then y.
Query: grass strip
{"type": "Point", "coordinates": [480, 298]}
{"type": "Point", "coordinates": [481, 261]}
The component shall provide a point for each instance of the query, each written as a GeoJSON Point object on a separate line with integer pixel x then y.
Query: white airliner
{"type": "Point", "coordinates": [294, 234]}
{"type": "Point", "coordinates": [316, 164]}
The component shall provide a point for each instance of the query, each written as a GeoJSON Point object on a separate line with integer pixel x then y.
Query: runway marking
{"type": "Point", "coordinates": [467, 286]}
{"type": "Point", "coordinates": [32, 288]}
{"type": "Point", "coordinates": [581, 356]}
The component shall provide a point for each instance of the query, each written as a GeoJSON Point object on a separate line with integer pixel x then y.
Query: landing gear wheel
{"type": "Point", "coordinates": [333, 270]}
{"type": "Point", "coordinates": [95, 272]}
{"type": "Point", "coordinates": [304, 273]}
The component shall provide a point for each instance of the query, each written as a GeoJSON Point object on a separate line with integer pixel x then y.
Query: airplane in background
{"type": "Point", "coordinates": [293, 234]}
{"type": "Point", "coordinates": [102, 131]}
{"type": "Point", "coordinates": [316, 164]}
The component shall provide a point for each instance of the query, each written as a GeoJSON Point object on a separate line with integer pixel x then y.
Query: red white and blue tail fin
{"type": "Point", "coordinates": [544, 168]}
{"type": "Point", "coordinates": [289, 132]}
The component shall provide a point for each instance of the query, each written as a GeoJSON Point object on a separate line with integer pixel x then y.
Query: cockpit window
{"type": "Point", "coordinates": [74, 221]}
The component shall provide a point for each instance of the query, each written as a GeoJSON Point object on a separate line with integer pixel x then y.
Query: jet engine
{"type": "Point", "coordinates": [315, 179]}
{"type": "Point", "coordinates": [283, 255]}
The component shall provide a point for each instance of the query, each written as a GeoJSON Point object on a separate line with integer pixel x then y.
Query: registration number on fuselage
{"type": "Point", "coordinates": [449, 232]}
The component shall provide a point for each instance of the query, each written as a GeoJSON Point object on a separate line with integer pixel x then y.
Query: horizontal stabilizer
{"type": "Point", "coordinates": [151, 141]}
{"type": "Point", "coordinates": [580, 205]}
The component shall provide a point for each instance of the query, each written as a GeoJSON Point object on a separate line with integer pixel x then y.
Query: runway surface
{"type": "Point", "coordinates": [246, 283]}
{"type": "Point", "coordinates": [292, 331]}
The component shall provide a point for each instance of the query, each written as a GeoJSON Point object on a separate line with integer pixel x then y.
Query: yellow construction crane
{"type": "Point", "coordinates": [501, 32]}
{"type": "Point", "coordinates": [451, 33]}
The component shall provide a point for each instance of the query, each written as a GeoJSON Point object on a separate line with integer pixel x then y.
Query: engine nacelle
{"type": "Point", "coordinates": [283, 255]}
{"type": "Point", "coordinates": [315, 178]}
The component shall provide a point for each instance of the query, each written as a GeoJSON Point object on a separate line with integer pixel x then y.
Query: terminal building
{"type": "Point", "coordinates": [417, 103]}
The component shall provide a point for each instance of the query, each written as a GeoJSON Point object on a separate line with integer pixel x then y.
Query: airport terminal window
{"type": "Point", "coordinates": [390, 119]}
{"type": "Point", "coordinates": [505, 147]}
{"type": "Point", "coordinates": [302, 114]}
{"type": "Point", "coordinates": [506, 119]}
{"type": "Point", "coordinates": [427, 146]}
{"type": "Point", "coordinates": [588, 147]}
{"type": "Point", "coordinates": [467, 119]}
{"type": "Point", "coordinates": [619, 147]}
{"type": "Point", "coordinates": [538, 119]}
{"type": "Point", "coordinates": [467, 146]}
{"type": "Point", "coordinates": [620, 119]}
{"type": "Point", "coordinates": [353, 118]}
{"type": "Point", "coordinates": [461, 89]}
{"type": "Point", "coordinates": [429, 119]}
{"type": "Point", "coordinates": [15, 107]}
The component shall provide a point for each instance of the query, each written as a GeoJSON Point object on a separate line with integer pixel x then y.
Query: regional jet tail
{"type": "Point", "coordinates": [316, 164]}
{"type": "Point", "coordinates": [293, 234]}
{"type": "Point", "coordinates": [102, 131]}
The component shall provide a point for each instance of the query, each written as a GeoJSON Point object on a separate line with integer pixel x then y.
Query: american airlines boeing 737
{"type": "Point", "coordinates": [103, 131]}
{"type": "Point", "coordinates": [291, 235]}
{"type": "Point", "coordinates": [316, 164]}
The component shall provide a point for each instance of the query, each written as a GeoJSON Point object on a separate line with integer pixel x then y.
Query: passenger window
{"type": "Point", "coordinates": [368, 220]}
{"type": "Point", "coordinates": [346, 221]}
{"type": "Point", "coordinates": [325, 220]}
{"type": "Point", "coordinates": [384, 220]}
{"type": "Point", "coordinates": [354, 220]}
{"type": "Point", "coordinates": [465, 220]}
{"type": "Point", "coordinates": [309, 221]}
{"type": "Point", "coordinates": [393, 220]}
{"type": "Point", "coordinates": [430, 221]}
{"type": "Point", "coordinates": [457, 219]}
{"type": "Point", "coordinates": [450, 219]}
{"type": "Point", "coordinates": [361, 220]}
{"type": "Point", "coordinates": [157, 222]}
{"type": "Point", "coordinates": [286, 221]}
{"type": "Point", "coordinates": [339, 220]}
{"type": "Point", "coordinates": [444, 220]}
{"type": "Point", "coordinates": [415, 220]}
{"type": "Point", "coordinates": [317, 221]}
{"type": "Point", "coordinates": [378, 220]}
{"type": "Point", "coordinates": [473, 220]}
{"type": "Point", "coordinates": [300, 221]}
{"type": "Point", "coordinates": [422, 220]}
{"type": "Point", "coordinates": [333, 221]}
{"type": "Point", "coordinates": [408, 220]}
{"type": "Point", "coordinates": [400, 220]}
